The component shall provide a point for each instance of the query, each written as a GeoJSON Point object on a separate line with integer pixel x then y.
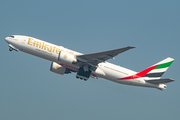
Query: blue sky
{"type": "Point", "coordinates": [28, 90]}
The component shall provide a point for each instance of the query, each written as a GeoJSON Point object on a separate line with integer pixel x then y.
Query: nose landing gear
{"type": "Point", "coordinates": [11, 48]}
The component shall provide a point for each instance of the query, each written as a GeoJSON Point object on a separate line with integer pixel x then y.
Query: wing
{"type": "Point", "coordinates": [96, 58]}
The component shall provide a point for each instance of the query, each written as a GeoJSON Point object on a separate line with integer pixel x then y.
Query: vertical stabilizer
{"type": "Point", "coordinates": [153, 72]}
{"type": "Point", "coordinates": [160, 68]}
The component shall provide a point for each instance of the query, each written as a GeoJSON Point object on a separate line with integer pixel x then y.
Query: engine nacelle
{"type": "Point", "coordinates": [66, 57]}
{"type": "Point", "coordinates": [56, 68]}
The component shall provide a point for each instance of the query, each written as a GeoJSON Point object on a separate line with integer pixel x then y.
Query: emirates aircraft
{"type": "Point", "coordinates": [94, 65]}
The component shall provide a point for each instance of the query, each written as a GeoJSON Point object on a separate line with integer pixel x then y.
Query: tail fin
{"type": "Point", "coordinates": [160, 68]}
{"type": "Point", "coordinates": [153, 72]}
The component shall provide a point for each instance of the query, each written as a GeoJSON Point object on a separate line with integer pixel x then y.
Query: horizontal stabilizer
{"type": "Point", "coordinates": [158, 81]}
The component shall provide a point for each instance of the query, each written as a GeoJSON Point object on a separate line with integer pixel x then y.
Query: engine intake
{"type": "Point", "coordinates": [56, 68]}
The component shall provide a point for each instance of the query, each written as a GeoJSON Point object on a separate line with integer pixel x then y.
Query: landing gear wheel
{"type": "Point", "coordinates": [10, 49]}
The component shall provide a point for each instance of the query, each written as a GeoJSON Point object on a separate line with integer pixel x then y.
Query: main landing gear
{"type": "Point", "coordinates": [82, 74]}
{"type": "Point", "coordinates": [85, 79]}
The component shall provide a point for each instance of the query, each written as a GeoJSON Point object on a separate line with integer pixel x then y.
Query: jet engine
{"type": "Point", "coordinates": [56, 68]}
{"type": "Point", "coordinates": [66, 57]}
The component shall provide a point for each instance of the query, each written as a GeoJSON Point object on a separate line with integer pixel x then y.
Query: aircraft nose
{"type": "Point", "coordinates": [7, 39]}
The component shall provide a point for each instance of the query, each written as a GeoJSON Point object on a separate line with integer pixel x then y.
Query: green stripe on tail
{"type": "Point", "coordinates": [165, 65]}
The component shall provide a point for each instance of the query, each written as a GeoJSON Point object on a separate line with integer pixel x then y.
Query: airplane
{"type": "Point", "coordinates": [65, 61]}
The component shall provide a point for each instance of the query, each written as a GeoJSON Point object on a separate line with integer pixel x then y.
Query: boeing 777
{"type": "Point", "coordinates": [94, 65]}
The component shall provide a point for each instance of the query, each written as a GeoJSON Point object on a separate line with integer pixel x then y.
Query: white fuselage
{"type": "Point", "coordinates": [50, 52]}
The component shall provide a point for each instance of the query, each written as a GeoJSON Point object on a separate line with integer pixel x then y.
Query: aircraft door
{"type": "Point", "coordinates": [23, 41]}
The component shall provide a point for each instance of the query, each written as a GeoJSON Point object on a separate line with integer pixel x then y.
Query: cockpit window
{"type": "Point", "coordinates": [12, 36]}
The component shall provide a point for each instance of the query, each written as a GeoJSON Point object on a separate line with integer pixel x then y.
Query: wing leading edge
{"type": "Point", "coordinates": [96, 58]}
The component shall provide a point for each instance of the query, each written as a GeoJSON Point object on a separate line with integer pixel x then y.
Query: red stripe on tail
{"type": "Point", "coordinates": [140, 74]}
